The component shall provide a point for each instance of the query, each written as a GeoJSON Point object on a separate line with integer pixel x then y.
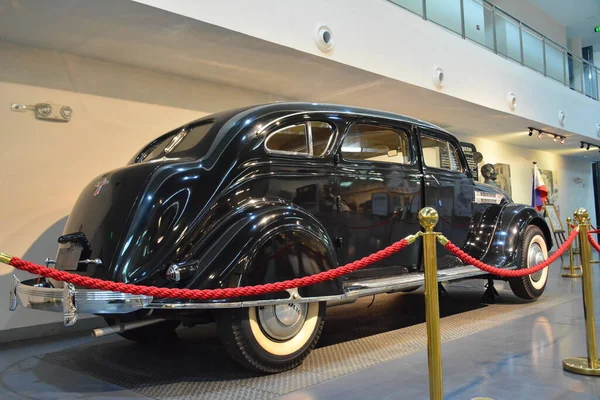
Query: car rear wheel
{"type": "Point", "coordinates": [273, 338]}
{"type": "Point", "coordinates": [533, 251]}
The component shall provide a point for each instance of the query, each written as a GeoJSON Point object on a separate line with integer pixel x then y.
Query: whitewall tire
{"type": "Point", "coordinates": [271, 338]}
{"type": "Point", "coordinates": [532, 251]}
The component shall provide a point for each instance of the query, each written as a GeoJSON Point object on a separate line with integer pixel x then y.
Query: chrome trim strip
{"type": "Point", "coordinates": [12, 306]}
{"type": "Point", "coordinates": [352, 291]}
{"type": "Point", "coordinates": [309, 138]}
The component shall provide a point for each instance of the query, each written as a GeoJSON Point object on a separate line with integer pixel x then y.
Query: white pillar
{"type": "Point", "coordinates": [574, 44]}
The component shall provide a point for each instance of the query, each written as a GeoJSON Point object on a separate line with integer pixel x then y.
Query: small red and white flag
{"type": "Point", "coordinates": [540, 192]}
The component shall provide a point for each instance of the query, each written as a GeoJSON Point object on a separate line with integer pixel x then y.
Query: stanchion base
{"type": "Point", "coordinates": [580, 365]}
{"type": "Point", "coordinates": [570, 275]}
{"type": "Point", "coordinates": [569, 267]}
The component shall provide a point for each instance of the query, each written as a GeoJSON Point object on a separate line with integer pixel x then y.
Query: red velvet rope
{"type": "Point", "coordinates": [206, 294]}
{"type": "Point", "coordinates": [214, 294]}
{"type": "Point", "coordinates": [594, 244]}
{"type": "Point", "coordinates": [511, 273]}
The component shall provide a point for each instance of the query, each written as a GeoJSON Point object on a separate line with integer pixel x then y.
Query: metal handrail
{"type": "Point", "coordinates": [593, 83]}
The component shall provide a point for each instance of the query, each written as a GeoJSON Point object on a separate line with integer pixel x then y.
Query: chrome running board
{"type": "Point", "coordinates": [392, 284]}
{"type": "Point", "coordinates": [352, 291]}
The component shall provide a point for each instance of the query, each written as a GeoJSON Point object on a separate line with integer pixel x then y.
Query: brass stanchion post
{"type": "Point", "coordinates": [571, 267]}
{"type": "Point", "coordinates": [582, 365]}
{"type": "Point", "coordinates": [428, 218]}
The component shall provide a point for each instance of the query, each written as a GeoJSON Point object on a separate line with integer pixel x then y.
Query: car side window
{"type": "Point", "coordinates": [439, 153]}
{"type": "Point", "coordinates": [376, 143]}
{"type": "Point", "coordinates": [291, 139]}
{"type": "Point", "coordinates": [322, 135]}
{"type": "Point", "coordinates": [310, 138]}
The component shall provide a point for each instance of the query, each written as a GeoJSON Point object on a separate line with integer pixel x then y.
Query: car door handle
{"type": "Point", "coordinates": [428, 176]}
{"type": "Point", "coordinates": [415, 178]}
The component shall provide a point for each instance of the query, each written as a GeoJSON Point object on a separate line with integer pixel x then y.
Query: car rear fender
{"type": "Point", "coordinates": [231, 255]}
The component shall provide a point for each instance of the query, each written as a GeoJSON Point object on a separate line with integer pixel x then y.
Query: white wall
{"type": "Point", "coordinates": [44, 165]}
{"type": "Point", "coordinates": [575, 45]}
{"type": "Point", "coordinates": [382, 38]}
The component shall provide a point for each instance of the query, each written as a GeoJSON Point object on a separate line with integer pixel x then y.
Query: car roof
{"type": "Point", "coordinates": [295, 107]}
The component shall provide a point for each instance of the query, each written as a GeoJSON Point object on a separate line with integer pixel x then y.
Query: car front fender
{"type": "Point", "coordinates": [509, 232]}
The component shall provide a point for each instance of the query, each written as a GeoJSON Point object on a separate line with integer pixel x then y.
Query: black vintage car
{"type": "Point", "coordinates": [273, 192]}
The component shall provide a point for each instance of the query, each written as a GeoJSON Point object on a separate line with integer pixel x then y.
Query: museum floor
{"type": "Point", "coordinates": [509, 350]}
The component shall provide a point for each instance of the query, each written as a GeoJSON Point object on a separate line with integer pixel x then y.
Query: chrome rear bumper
{"type": "Point", "coordinates": [71, 301]}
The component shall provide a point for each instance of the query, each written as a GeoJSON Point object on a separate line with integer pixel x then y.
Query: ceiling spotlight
{"type": "Point", "coordinates": [555, 137]}
{"type": "Point", "coordinates": [530, 131]}
{"type": "Point", "coordinates": [581, 145]}
{"type": "Point", "coordinates": [539, 136]}
{"type": "Point", "coordinates": [588, 146]}
{"type": "Point", "coordinates": [562, 140]}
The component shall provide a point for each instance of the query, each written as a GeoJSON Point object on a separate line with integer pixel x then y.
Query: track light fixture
{"type": "Point", "coordinates": [581, 145]}
{"type": "Point", "coordinates": [541, 133]}
{"type": "Point", "coordinates": [588, 146]}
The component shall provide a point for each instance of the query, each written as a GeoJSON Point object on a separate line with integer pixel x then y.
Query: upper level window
{"type": "Point", "coordinates": [376, 143]}
{"type": "Point", "coordinates": [439, 153]}
{"type": "Point", "coordinates": [310, 138]}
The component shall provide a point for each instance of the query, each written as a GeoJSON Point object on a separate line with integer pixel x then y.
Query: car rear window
{"type": "Point", "coordinates": [192, 138]}
{"type": "Point", "coordinates": [178, 143]}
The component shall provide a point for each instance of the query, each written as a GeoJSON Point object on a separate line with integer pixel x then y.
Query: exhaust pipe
{"type": "Point", "coordinates": [125, 326]}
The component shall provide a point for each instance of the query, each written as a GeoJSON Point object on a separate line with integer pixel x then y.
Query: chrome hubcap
{"type": "Point", "coordinates": [282, 322]}
{"type": "Point", "coordinates": [535, 255]}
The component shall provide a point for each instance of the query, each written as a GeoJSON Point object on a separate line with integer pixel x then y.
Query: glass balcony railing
{"type": "Point", "coordinates": [487, 25]}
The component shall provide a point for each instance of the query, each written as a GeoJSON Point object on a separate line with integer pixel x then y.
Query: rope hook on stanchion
{"type": "Point", "coordinates": [583, 365]}
{"type": "Point", "coordinates": [571, 267]}
{"type": "Point", "coordinates": [428, 218]}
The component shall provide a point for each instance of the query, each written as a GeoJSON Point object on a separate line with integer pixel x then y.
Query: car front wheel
{"type": "Point", "coordinates": [533, 251]}
{"type": "Point", "coordinates": [272, 338]}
